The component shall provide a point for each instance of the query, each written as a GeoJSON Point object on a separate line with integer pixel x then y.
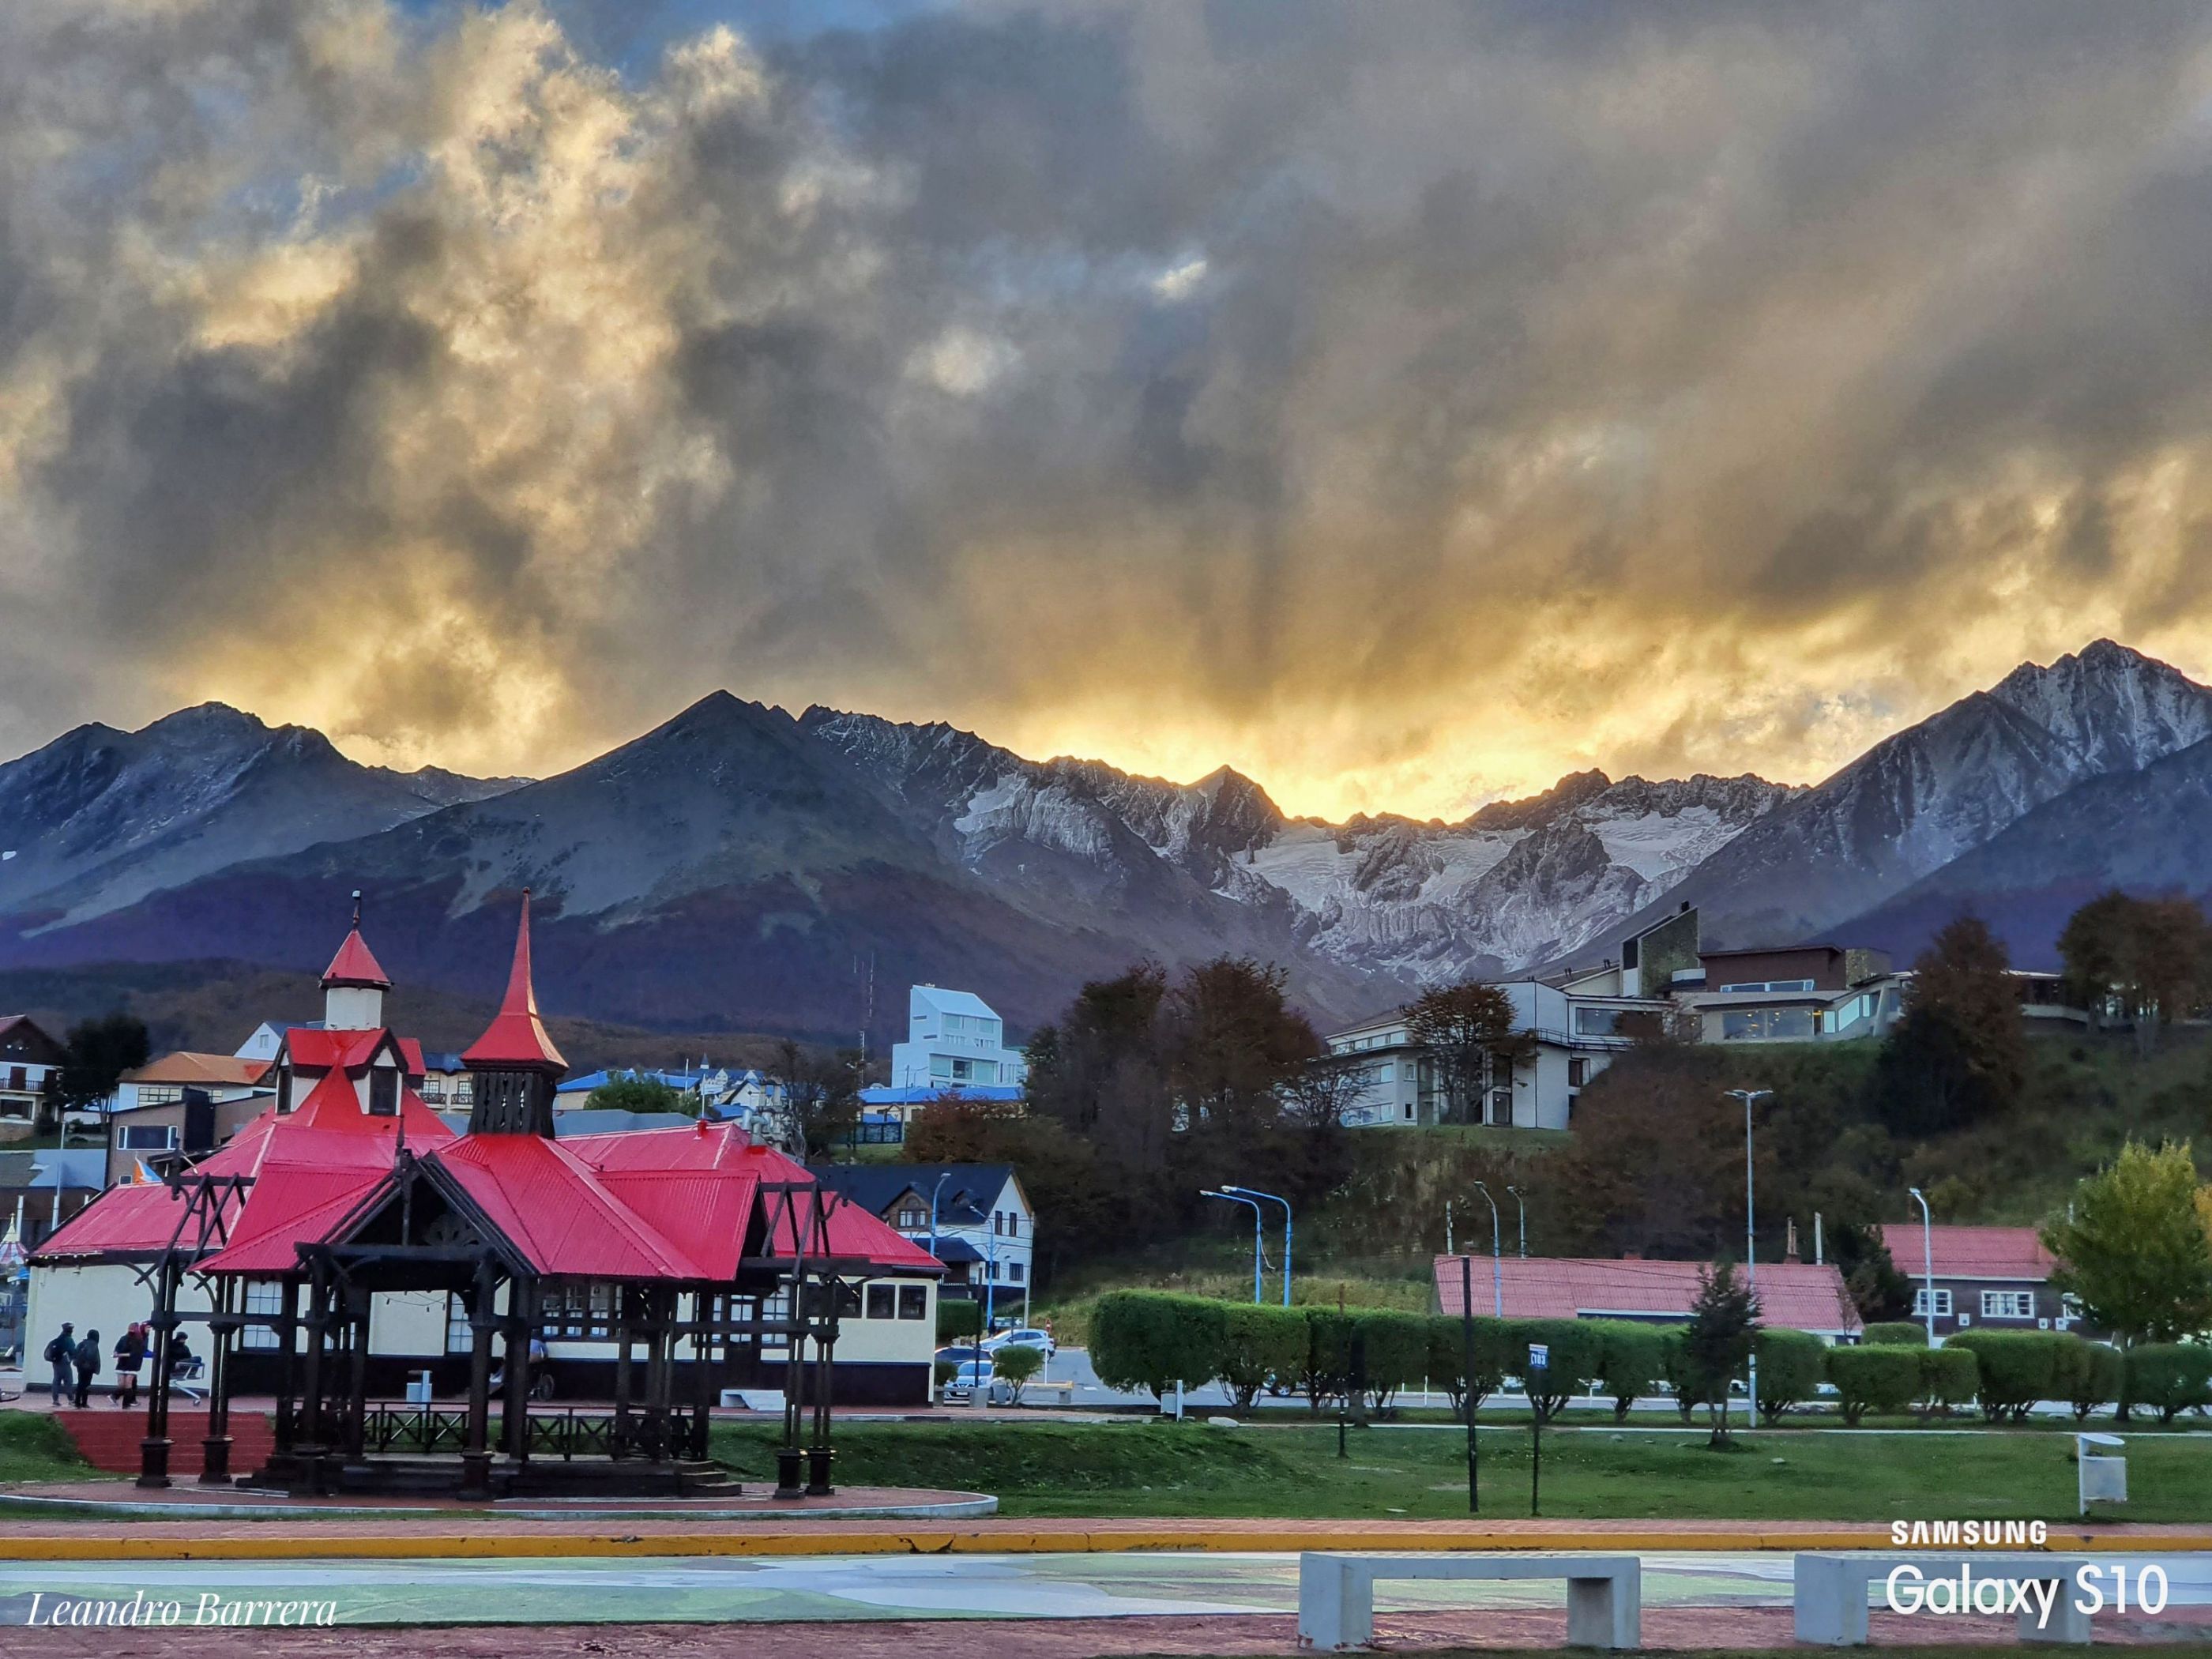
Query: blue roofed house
{"type": "Point", "coordinates": [985, 1230]}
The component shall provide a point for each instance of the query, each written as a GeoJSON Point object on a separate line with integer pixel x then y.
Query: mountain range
{"type": "Point", "coordinates": [740, 867]}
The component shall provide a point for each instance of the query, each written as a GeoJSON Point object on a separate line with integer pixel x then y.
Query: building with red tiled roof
{"type": "Point", "coordinates": [1801, 1296]}
{"type": "Point", "coordinates": [1998, 1276]}
{"type": "Point", "coordinates": [349, 1214]}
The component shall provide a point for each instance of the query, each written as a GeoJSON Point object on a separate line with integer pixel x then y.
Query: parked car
{"type": "Point", "coordinates": [974, 1374]}
{"type": "Point", "coordinates": [958, 1353]}
{"type": "Point", "coordinates": [1022, 1336]}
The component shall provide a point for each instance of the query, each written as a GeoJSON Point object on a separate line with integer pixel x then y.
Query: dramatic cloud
{"type": "Point", "coordinates": [1404, 404]}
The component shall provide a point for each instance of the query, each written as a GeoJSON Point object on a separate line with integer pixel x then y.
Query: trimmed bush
{"type": "Point", "coordinates": [2018, 1369]}
{"type": "Point", "coordinates": [1154, 1339]}
{"type": "Point", "coordinates": [1259, 1344]}
{"type": "Point", "coordinates": [1689, 1390]}
{"type": "Point", "coordinates": [1447, 1357]}
{"type": "Point", "coordinates": [1900, 1333]}
{"type": "Point", "coordinates": [1394, 1352]}
{"type": "Point", "coordinates": [956, 1318]}
{"type": "Point", "coordinates": [2090, 1374]}
{"type": "Point", "coordinates": [1631, 1360]}
{"type": "Point", "coordinates": [1880, 1378]}
{"type": "Point", "coordinates": [943, 1371]}
{"type": "Point", "coordinates": [1331, 1354]}
{"type": "Point", "coordinates": [2169, 1378]}
{"type": "Point", "coordinates": [1948, 1378]}
{"type": "Point", "coordinates": [1015, 1365]}
{"type": "Point", "coordinates": [1791, 1366]}
{"type": "Point", "coordinates": [1576, 1353]}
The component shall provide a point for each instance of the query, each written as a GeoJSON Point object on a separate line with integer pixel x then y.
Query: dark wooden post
{"type": "Point", "coordinates": [514, 1409]}
{"type": "Point", "coordinates": [702, 1362]}
{"type": "Point", "coordinates": [624, 1381]}
{"type": "Point", "coordinates": [287, 1368]}
{"type": "Point", "coordinates": [214, 1449]}
{"type": "Point", "coordinates": [476, 1455]}
{"type": "Point", "coordinates": [356, 1427]}
{"type": "Point", "coordinates": [154, 1449]}
{"type": "Point", "coordinates": [657, 1350]}
{"type": "Point", "coordinates": [310, 1447]}
{"type": "Point", "coordinates": [819, 1455]}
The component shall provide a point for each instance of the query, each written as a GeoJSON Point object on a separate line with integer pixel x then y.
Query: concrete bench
{"type": "Point", "coordinates": [1063, 1392]}
{"type": "Point", "coordinates": [1832, 1590]}
{"type": "Point", "coordinates": [1336, 1593]}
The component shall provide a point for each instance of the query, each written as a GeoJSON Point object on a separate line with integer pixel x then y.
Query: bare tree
{"type": "Point", "coordinates": [1470, 1032]}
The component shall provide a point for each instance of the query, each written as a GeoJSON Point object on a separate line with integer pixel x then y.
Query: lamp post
{"type": "Point", "coordinates": [1750, 1242]}
{"type": "Point", "coordinates": [1270, 1198]}
{"type": "Point", "coordinates": [934, 1191]}
{"type": "Point", "coordinates": [1926, 1264]}
{"type": "Point", "coordinates": [1257, 1215]}
{"type": "Point", "coordinates": [1750, 1238]}
{"type": "Point", "coordinates": [1523, 1203]}
{"type": "Point", "coordinates": [1497, 1260]}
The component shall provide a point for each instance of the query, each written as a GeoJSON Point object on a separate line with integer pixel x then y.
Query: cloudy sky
{"type": "Point", "coordinates": [1403, 403]}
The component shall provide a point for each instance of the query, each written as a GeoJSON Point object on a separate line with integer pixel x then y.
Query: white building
{"type": "Point", "coordinates": [954, 1039]}
{"type": "Point", "coordinates": [974, 1218]}
{"type": "Point", "coordinates": [1570, 1039]}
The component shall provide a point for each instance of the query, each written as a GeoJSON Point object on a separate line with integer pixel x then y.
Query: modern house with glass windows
{"type": "Point", "coordinates": [1799, 993]}
{"type": "Point", "coordinates": [954, 1041]}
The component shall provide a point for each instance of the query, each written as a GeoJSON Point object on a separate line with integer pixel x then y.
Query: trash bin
{"type": "Point", "coordinates": [418, 1388]}
{"type": "Point", "coordinates": [2103, 1477]}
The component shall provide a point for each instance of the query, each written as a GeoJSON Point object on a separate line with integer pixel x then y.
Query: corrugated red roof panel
{"type": "Point", "coordinates": [551, 1207]}
{"type": "Point", "coordinates": [1969, 1252]}
{"type": "Point", "coordinates": [1798, 1295]}
{"type": "Point", "coordinates": [355, 964]}
{"type": "Point", "coordinates": [516, 1036]}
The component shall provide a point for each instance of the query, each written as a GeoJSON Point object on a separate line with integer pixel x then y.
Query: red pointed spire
{"type": "Point", "coordinates": [516, 1036]}
{"type": "Point", "coordinates": [355, 965]}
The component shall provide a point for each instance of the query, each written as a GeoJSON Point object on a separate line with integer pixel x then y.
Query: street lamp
{"type": "Point", "coordinates": [1257, 1215]}
{"type": "Point", "coordinates": [934, 1191]}
{"type": "Point", "coordinates": [1497, 1260]}
{"type": "Point", "coordinates": [1254, 1191]}
{"type": "Point", "coordinates": [1750, 1242]}
{"type": "Point", "coordinates": [1926, 1264]}
{"type": "Point", "coordinates": [1523, 1203]}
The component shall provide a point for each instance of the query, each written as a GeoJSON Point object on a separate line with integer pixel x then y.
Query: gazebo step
{"type": "Point", "coordinates": [109, 1439]}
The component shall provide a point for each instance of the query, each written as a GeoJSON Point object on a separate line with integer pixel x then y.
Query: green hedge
{"type": "Point", "coordinates": [1949, 1378]}
{"type": "Point", "coordinates": [1259, 1346]}
{"type": "Point", "coordinates": [1577, 1354]}
{"type": "Point", "coordinates": [1880, 1377]}
{"type": "Point", "coordinates": [1394, 1352]}
{"type": "Point", "coordinates": [2169, 1378]}
{"type": "Point", "coordinates": [2090, 1374]}
{"type": "Point", "coordinates": [2018, 1369]}
{"type": "Point", "coordinates": [958, 1317]}
{"type": "Point", "coordinates": [1897, 1333]}
{"type": "Point", "coordinates": [1447, 1357]}
{"type": "Point", "coordinates": [1153, 1340]}
{"type": "Point", "coordinates": [1792, 1364]}
{"type": "Point", "coordinates": [1631, 1359]}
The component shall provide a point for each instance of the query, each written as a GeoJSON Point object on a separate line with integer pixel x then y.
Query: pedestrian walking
{"type": "Point", "coordinates": [89, 1357]}
{"type": "Point", "coordinates": [130, 1355]}
{"type": "Point", "coordinates": [61, 1354]}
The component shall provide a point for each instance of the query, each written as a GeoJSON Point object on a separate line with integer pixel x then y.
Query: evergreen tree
{"type": "Point", "coordinates": [1722, 1330]}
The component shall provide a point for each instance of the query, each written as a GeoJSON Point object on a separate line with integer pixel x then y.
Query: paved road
{"type": "Point", "coordinates": [874, 1588]}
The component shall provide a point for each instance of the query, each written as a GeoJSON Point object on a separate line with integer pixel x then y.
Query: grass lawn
{"type": "Point", "coordinates": [1142, 1469]}
{"type": "Point", "coordinates": [33, 1446]}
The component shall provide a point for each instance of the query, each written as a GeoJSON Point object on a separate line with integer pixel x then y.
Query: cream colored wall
{"type": "Point", "coordinates": [105, 1298]}
{"type": "Point", "coordinates": [408, 1323]}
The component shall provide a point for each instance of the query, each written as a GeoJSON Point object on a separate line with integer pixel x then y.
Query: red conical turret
{"type": "Point", "coordinates": [355, 965]}
{"type": "Point", "coordinates": [516, 1036]}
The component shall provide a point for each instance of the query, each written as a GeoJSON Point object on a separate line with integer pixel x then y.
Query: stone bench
{"type": "Point", "coordinates": [1832, 1590]}
{"type": "Point", "coordinates": [1336, 1592]}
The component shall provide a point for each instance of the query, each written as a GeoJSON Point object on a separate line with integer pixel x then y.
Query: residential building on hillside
{"type": "Point", "coordinates": [1998, 1276]}
{"type": "Point", "coordinates": [1572, 1038]}
{"type": "Point", "coordinates": [1801, 1296]}
{"type": "Point", "coordinates": [27, 1057]}
{"type": "Point", "coordinates": [954, 1039]}
{"type": "Point", "coordinates": [1797, 993]}
{"type": "Point", "coordinates": [163, 1081]}
{"type": "Point", "coordinates": [974, 1218]}
{"type": "Point", "coordinates": [46, 1186]}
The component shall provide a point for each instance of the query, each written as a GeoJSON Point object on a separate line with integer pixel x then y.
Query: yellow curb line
{"type": "Point", "coordinates": [939, 1541]}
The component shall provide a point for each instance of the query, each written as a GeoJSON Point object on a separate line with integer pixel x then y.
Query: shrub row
{"type": "Point", "coordinates": [1149, 1339]}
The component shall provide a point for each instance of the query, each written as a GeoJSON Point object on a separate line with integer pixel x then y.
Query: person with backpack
{"type": "Point", "coordinates": [87, 1367]}
{"type": "Point", "coordinates": [130, 1355]}
{"type": "Point", "coordinates": [61, 1354]}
